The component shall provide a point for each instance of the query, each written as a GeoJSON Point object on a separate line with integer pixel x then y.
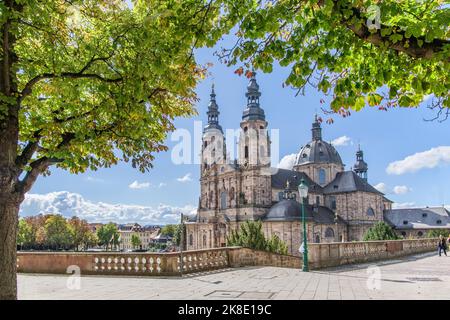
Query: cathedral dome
{"type": "Point", "coordinates": [287, 209]}
{"type": "Point", "coordinates": [318, 151]}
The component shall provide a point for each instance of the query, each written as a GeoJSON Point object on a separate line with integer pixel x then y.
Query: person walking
{"type": "Point", "coordinates": [442, 245]}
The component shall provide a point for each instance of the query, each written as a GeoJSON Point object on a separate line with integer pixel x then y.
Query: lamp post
{"type": "Point", "coordinates": [303, 193]}
{"type": "Point", "coordinates": [181, 244]}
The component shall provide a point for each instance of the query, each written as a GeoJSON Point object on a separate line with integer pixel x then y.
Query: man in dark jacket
{"type": "Point", "coordinates": [442, 246]}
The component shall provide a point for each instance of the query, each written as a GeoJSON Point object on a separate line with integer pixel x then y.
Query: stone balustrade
{"type": "Point", "coordinates": [169, 264]}
{"type": "Point", "coordinates": [118, 263]}
{"type": "Point", "coordinates": [322, 255]}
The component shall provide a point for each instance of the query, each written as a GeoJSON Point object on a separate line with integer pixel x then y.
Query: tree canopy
{"type": "Point", "coordinates": [359, 52]}
{"type": "Point", "coordinates": [380, 231]}
{"type": "Point", "coordinates": [89, 78]}
{"type": "Point", "coordinates": [135, 241]}
{"type": "Point", "coordinates": [251, 235]}
{"type": "Point", "coordinates": [108, 235]}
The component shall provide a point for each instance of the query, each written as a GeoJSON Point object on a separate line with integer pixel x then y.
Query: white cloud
{"type": "Point", "coordinates": [426, 159]}
{"type": "Point", "coordinates": [162, 184]}
{"type": "Point", "coordinates": [401, 189]}
{"type": "Point", "coordinates": [427, 97]}
{"type": "Point", "coordinates": [185, 178]}
{"type": "Point", "coordinates": [137, 185]}
{"type": "Point", "coordinates": [341, 141]}
{"type": "Point", "coordinates": [92, 179]}
{"type": "Point", "coordinates": [69, 204]}
{"type": "Point", "coordinates": [287, 162]}
{"type": "Point", "coordinates": [403, 205]}
{"type": "Point", "coordinates": [381, 187]}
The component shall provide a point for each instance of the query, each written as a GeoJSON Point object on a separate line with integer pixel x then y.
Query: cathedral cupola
{"type": "Point", "coordinates": [253, 110]}
{"type": "Point", "coordinates": [316, 129]}
{"type": "Point", "coordinates": [213, 112]}
{"type": "Point", "coordinates": [318, 158]}
{"type": "Point", "coordinates": [360, 166]}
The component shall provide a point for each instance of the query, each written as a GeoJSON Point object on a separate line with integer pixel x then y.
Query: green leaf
{"type": "Point", "coordinates": [374, 99]}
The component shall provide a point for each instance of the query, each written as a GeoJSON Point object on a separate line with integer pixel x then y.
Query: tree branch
{"type": "Point", "coordinates": [73, 75]}
{"type": "Point", "coordinates": [29, 150]}
{"type": "Point", "coordinates": [37, 167]}
{"type": "Point", "coordinates": [412, 46]}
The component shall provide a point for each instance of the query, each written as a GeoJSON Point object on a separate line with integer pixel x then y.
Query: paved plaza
{"type": "Point", "coordinates": [424, 276]}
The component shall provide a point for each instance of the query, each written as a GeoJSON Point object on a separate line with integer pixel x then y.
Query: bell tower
{"type": "Point", "coordinates": [213, 140]}
{"type": "Point", "coordinates": [254, 141]}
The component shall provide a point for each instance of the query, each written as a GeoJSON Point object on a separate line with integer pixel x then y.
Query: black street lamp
{"type": "Point", "coordinates": [303, 193]}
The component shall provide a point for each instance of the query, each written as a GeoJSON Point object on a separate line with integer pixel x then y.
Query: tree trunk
{"type": "Point", "coordinates": [9, 210]}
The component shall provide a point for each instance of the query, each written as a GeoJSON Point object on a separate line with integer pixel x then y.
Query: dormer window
{"type": "Point", "coordinates": [405, 222]}
{"type": "Point", "coordinates": [439, 221]}
{"type": "Point", "coordinates": [304, 155]}
{"type": "Point", "coordinates": [424, 215]}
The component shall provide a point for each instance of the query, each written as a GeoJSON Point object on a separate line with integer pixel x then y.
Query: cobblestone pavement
{"type": "Point", "coordinates": [425, 276]}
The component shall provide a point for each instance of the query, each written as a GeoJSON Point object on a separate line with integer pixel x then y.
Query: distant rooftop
{"type": "Point", "coordinates": [419, 218]}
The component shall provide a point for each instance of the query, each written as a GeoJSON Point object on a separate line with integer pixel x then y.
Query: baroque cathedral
{"type": "Point", "coordinates": [341, 205]}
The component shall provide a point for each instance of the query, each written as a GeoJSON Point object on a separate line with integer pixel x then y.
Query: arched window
{"type": "Point", "coordinates": [191, 239]}
{"type": "Point", "coordinates": [223, 200]}
{"type": "Point", "coordinates": [204, 240]}
{"type": "Point", "coordinates": [329, 233]}
{"type": "Point", "coordinates": [333, 202]}
{"type": "Point", "coordinates": [322, 176]}
{"type": "Point", "coordinates": [317, 240]}
{"type": "Point", "coordinates": [211, 195]}
{"type": "Point", "coordinates": [370, 212]}
{"type": "Point", "coordinates": [317, 200]}
{"type": "Point", "coordinates": [246, 152]}
{"type": "Point", "coordinates": [420, 233]}
{"type": "Point", "coordinates": [232, 192]}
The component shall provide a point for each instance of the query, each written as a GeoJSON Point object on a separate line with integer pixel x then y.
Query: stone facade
{"type": "Point", "coordinates": [341, 204]}
{"type": "Point", "coordinates": [146, 236]}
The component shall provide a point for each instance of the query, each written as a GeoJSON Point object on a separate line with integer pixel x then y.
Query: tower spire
{"type": "Point", "coordinates": [213, 111]}
{"type": "Point", "coordinates": [253, 110]}
{"type": "Point", "coordinates": [316, 129]}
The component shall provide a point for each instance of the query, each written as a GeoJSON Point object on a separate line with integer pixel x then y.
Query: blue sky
{"type": "Point", "coordinates": [385, 137]}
